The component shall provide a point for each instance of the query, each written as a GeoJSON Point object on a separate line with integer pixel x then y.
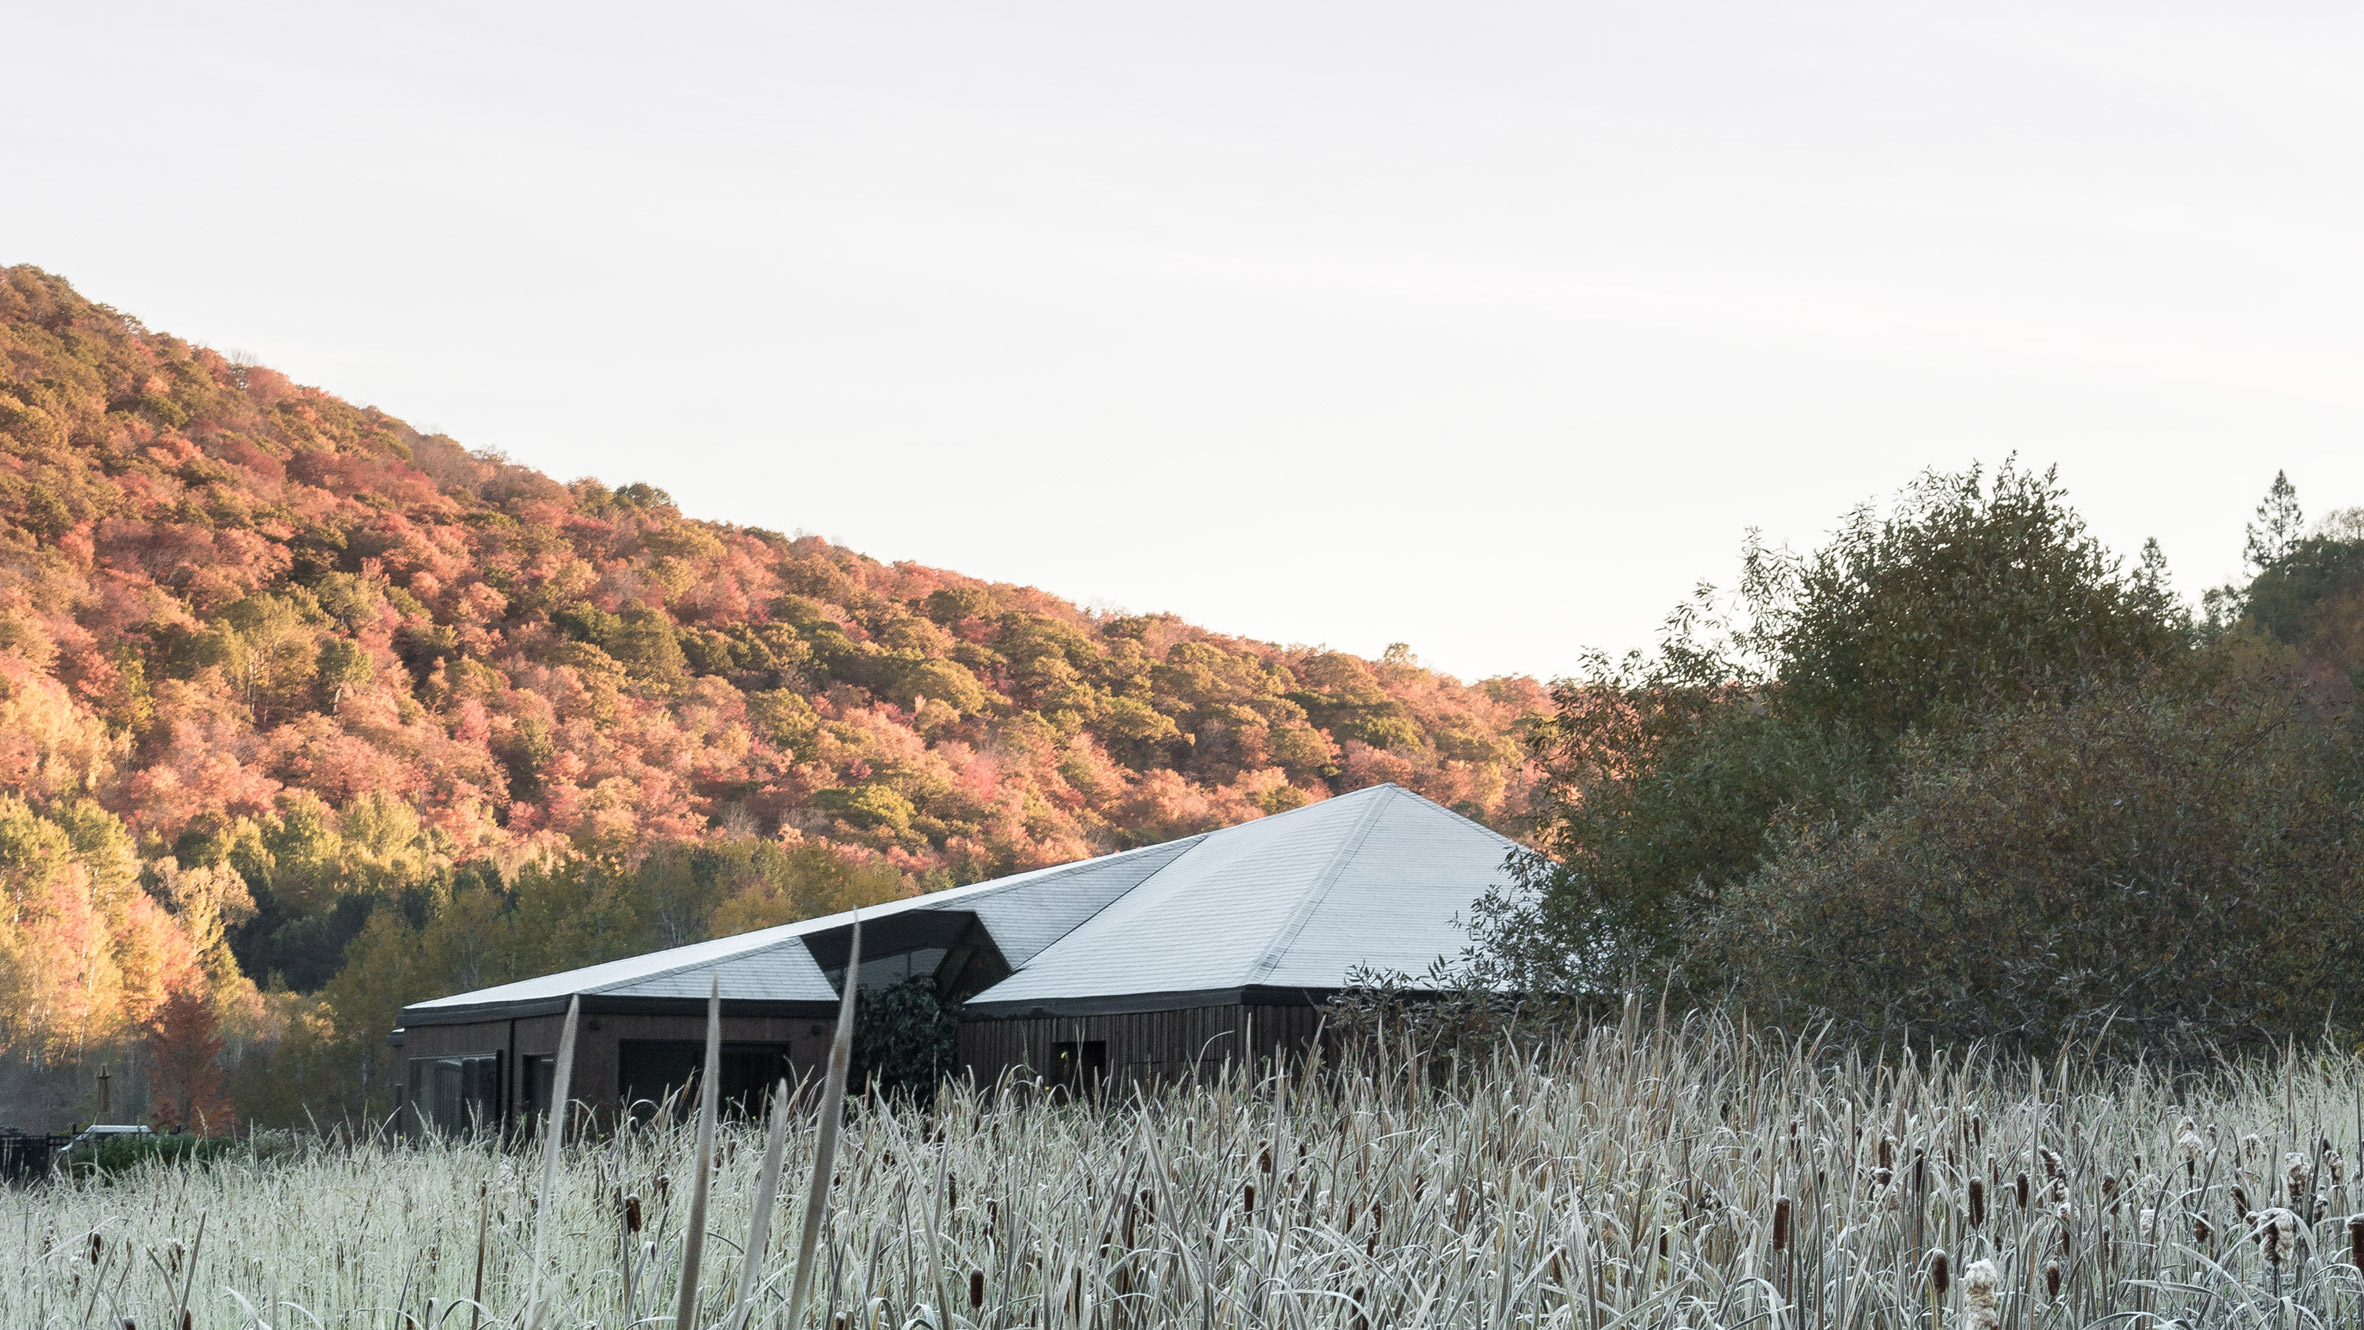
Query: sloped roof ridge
{"type": "Point", "coordinates": [932, 900]}
{"type": "Point", "coordinates": [707, 963]}
{"type": "Point", "coordinates": [756, 942]}
{"type": "Point", "coordinates": [1286, 934]}
{"type": "Point", "coordinates": [1297, 922]}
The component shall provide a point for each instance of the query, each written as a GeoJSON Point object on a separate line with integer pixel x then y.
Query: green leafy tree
{"type": "Point", "coordinates": [2172, 864]}
{"type": "Point", "coordinates": [1674, 776]}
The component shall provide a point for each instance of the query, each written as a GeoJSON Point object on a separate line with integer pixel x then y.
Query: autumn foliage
{"type": "Point", "coordinates": [313, 714]}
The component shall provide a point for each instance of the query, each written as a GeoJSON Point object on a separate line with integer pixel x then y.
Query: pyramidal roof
{"type": "Point", "coordinates": [1379, 879]}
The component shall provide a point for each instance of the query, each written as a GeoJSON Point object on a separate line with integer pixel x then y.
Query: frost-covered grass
{"type": "Point", "coordinates": [1630, 1178]}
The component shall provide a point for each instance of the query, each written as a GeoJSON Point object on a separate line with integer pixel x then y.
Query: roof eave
{"type": "Point", "coordinates": [1127, 1004]}
{"type": "Point", "coordinates": [603, 1004]}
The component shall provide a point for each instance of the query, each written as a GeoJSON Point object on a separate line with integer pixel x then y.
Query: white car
{"type": "Point", "coordinates": [100, 1135]}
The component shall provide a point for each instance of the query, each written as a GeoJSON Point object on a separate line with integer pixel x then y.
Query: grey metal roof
{"type": "Point", "coordinates": [1375, 878]}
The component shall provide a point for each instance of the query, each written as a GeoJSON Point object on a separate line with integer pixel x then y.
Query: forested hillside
{"type": "Point", "coordinates": [304, 714]}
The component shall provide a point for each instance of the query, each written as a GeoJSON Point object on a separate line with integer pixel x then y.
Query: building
{"type": "Point", "coordinates": [1144, 964]}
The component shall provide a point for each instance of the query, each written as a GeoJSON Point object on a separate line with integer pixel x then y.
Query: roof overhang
{"type": "Point", "coordinates": [1125, 1004]}
{"type": "Point", "coordinates": [596, 1004]}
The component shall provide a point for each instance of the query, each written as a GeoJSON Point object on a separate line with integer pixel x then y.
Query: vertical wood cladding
{"type": "Point", "coordinates": [1142, 1046]}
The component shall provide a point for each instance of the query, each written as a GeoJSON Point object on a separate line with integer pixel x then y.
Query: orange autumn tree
{"type": "Point", "coordinates": [184, 1067]}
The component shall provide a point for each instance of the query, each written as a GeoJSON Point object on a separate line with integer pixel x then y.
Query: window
{"type": "Point", "coordinates": [456, 1094]}
{"type": "Point", "coordinates": [538, 1079]}
{"type": "Point", "coordinates": [649, 1070]}
{"type": "Point", "coordinates": [1081, 1064]}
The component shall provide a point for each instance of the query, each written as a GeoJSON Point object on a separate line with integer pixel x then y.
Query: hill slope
{"type": "Point", "coordinates": [270, 662]}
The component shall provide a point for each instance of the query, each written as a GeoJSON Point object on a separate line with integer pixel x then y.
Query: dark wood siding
{"type": "Point", "coordinates": [1142, 1046]}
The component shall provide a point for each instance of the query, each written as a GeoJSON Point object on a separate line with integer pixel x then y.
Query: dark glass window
{"type": "Point", "coordinates": [456, 1094]}
{"type": "Point", "coordinates": [538, 1078]}
{"type": "Point", "coordinates": [1079, 1065]}
{"type": "Point", "coordinates": [650, 1072]}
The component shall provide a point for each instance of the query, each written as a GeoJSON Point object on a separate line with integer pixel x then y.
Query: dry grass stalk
{"type": "Point", "coordinates": [767, 1194]}
{"type": "Point", "coordinates": [693, 1236]}
{"type": "Point", "coordinates": [832, 1117]}
{"type": "Point", "coordinates": [553, 1136]}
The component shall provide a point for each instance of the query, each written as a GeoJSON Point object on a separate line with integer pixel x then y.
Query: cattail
{"type": "Point", "coordinates": [2294, 1173]}
{"type": "Point", "coordinates": [1780, 1225]}
{"type": "Point", "coordinates": [2052, 1279]}
{"type": "Point", "coordinates": [2241, 1202]}
{"type": "Point", "coordinates": [2052, 1166]}
{"type": "Point", "coordinates": [2278, 1230]}
{"type": "Point", "coordinates": [1977, 1202]}
{"type": "Point", "coordinates": [632, 1214]}
{"type": "Point", "coordinates": [2147, 1223]}
{"type": "Point", "coordinates": [1978, 1291]}
{"type": "Point", "coordinates": [2201, 1232]}
{"type": "Point", "coordinates": [1940, 1272]}
{"type": "Point", "coordinates": [97, 1245]}
{"type": "Point", "coordinates": [2109, 1192]}
{"type": "Point", "coordinates": [2356, 1241]}
{"type": "Point", "coordinates": [1887, 1152]}
{"type": "Point", "coordinates": [1362, 1319]}
{"type": "Point", "coordinates": [1264, 1159]}
{"type": "Point", "coordinates": [1247, 1198]}
{"type": "Point", "coordinates": [976, 1289]}
{"type": "Point", "coordinates": [2187, 1140]}
{"type": "Point", "coordinates": [1662, 1242]}
{"type": "Point", "coordinates": [2023, 1191]}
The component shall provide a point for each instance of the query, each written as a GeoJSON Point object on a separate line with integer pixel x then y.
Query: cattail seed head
{"type": "Point", "coordinates": [2356, 1241]}
{"type": "Point", "coordinates": [97, 1245]}
{"type": "Point", "coordinates": [1977, 1202]}
{"type": "Point", "coordinates": [2022, 1191]}
{"type": "Point", "coordinates": [1264, 1160]}
{"type": "Point", "coordinates": [1780, 1225]}
{"type": "Point", "coordinates": [976, 1289]}
{"type": "Point", "coordinates": [2201, 1232]}
{"type": "Point", "coordinates": [1247, 1198]}
{"type": "Point", "coordinates": [1888, 1152]}
{"type": "Point", "coordinates": [2052, 1279]}
{"type": "Point", "coordinates": [2052, 1166]}
{"type": "Point", "coordinates": [2241, 1205]}
{"type": "Point", "coordinates": [632, 1214]}
{"type": "Point", "coordinates": [2277, 1231]}
{"type": "Point", "coordinates": [1940, 1272]}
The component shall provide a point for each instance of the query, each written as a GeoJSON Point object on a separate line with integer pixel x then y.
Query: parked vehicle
{"type": "Point", "coordinates": [92, 1137]}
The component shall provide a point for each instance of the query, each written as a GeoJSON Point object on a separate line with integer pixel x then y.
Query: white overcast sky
{"type": "Point", "coordinates": [1485, 328]}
